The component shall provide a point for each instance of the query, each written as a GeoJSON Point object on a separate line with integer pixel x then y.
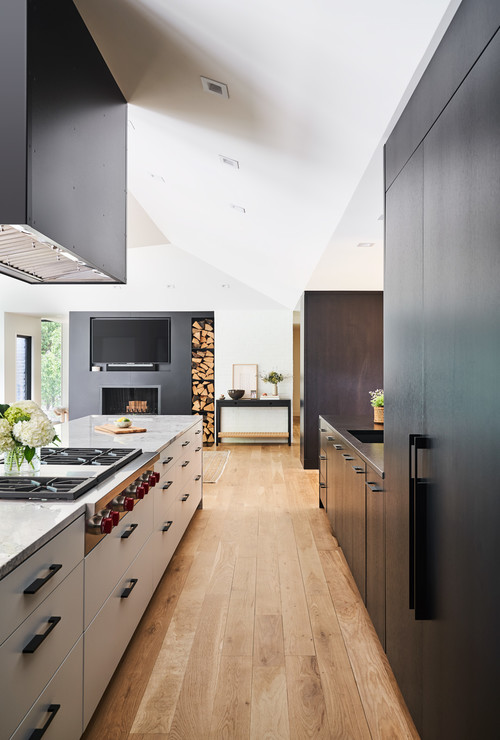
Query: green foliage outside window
{"type": "Point", "coordinates": [51, 366]}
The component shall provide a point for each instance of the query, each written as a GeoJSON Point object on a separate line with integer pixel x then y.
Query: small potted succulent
{"type": "Point", "coordinates": [377, 401]}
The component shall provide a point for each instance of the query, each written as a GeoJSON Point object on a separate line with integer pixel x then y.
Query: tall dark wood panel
{"type": "Point", "coordinates": [443, 227]}
{"type": "Point", "coordinates": [341, 359]}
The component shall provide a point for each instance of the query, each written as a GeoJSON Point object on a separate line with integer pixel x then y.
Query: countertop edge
{"type": "Point", "coordinates": [371, 453]}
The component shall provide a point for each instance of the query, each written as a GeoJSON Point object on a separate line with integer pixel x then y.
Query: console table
{"type": "Point", "coordinates": [254, 403]}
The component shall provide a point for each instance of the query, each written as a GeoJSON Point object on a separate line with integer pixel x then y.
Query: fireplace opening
{"type": "Point", "coordinates": [143, 400]}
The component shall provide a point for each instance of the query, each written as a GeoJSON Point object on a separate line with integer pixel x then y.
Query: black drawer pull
{"type": "Point", "coordinates": [330, 439]}
{"type": "Point", "coordinates": [129, 531]}
{"type": "Point", "coordinates": [127, 591]}
{"type": "Point", "coordinates": [167, 526]}
{"type": "Point", "coordinates": [37, 640]}
{"type": "Point", "coordinates": [167, 485]}
{"type": "Point", "coordinates": [198, 477]}
{"type": "Point", "coordinates": [322, 430]}
{"type": "Point", "coordinates": [167, 460]}
{"type": "Point", "coordinates": [52, 710]}
{"type": "Point", "coordinates": [358, 468]}
{"type": "Point", "coordinates": [322, 457]}
{"type": "Point", "coordinates": [39, 582]}
{"type": "Point", "coordinates": [184, 464]}
{"type": "Point", "coordinates": [185, 497]}
{"type": "Point", "coordinates": [347, 457]}
{"type": "Point", "coordinates": [322, 485]}
{"type": "Point", "coordinates": [338, 447]}
{"type": "Point", "coordinates": [185, 444]}
{"type": "Point", "coordinates": [198, 449]}
{"type": "Point", "coordinates": [198, 431]}
{"type": "Point", "coordinates": [374, 488]}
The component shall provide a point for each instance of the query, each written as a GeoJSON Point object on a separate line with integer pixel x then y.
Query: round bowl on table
{"type": "Point", "coordinates": [235, 394]}
{"type": "Point", "coordinates": [123, 424]}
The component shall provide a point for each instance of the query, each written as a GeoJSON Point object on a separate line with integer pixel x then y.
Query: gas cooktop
{"type": "Point", "coordinates": [59, 480]}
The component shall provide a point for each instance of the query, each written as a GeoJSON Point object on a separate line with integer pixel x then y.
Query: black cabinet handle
{"type": "Point", "coordinates": [322, 430]}
{"type": "Point", "coordinates": [184, 464]}
{"type": "Point", "coordinates": [358, 468]}
{"type": "Point", "coordinates": [373, 487]}
{"type": "Point", "coordinates": [346, 456]}
{"type": "Point", "coordinates": [322, 485]}
{"type": "Point", "coordinates": [330, 439]}
{"type": "Point", "coordinates": [167, 526]}
{"type": "Point", "coordinates": [185, 444]}
{"type": "Point", "coordinates": [338, 447]}
{"type": "Point", "coordinates": [198, 431]}
{"type": "Point", "coordinates": [418, 565]}
{"type": "Point", "coordinates": [322, 457]}
{"type": "Point", "coordinates": [39, 582]}
{"type": "Point", "coordinates": [52, 710]}
{"type": "Point", "coordinates": [185, 497]}
{"type": "Point", "coordinates": [198, 477]}
{"type": "Point", "coordinates": [37, 640]}
{"type": "Point", "coordinates": [167, 460]}
{"type": "Point", "coordinates": [127, 591]}
{"type": "Point", "coordinates": [167, 485]}
{"type": "Point", "coordinates": [129, 531]}
{"type": "Point", "coordinates": [198, 449]}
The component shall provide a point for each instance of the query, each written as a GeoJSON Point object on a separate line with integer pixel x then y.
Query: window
{"type": "Point", "coordinates": [51, 374]}
{"type": "Point", "coordinates": [23, 368]}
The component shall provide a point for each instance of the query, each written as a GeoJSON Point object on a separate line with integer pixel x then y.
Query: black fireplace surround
{"type": "Point", "coordinates": [139, 400]}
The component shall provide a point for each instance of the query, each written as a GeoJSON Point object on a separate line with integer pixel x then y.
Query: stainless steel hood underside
{"type": "Point", "coordinates": [62, 149]}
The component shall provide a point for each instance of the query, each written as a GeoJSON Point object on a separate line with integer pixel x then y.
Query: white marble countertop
{"type": "Point", "coordinates": [25, 526]}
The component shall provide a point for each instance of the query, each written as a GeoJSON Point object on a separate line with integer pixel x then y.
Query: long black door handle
{"type": "Point", "coordinates": [39, 582]}
{"type": "Point", "coordinates": [37, 640]}
{"type": "Point", "coordinates": [52, 710]}
{"type": "Point", "coordinates": [418, 546]}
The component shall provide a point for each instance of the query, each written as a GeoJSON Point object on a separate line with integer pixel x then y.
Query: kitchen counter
{"type": "Point", "coordinates": [371, 452]}
{"type": "Point", "coordinates": [27, 525]}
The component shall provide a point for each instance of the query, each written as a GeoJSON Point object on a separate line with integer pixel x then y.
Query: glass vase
{"type": "Point", "coordinates": [15, 462]}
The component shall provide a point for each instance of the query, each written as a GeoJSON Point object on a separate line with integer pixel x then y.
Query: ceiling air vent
{"type": "Point", "coordinates": [212, 86]}
{"type": "Point", "coordinates": [230, 162]}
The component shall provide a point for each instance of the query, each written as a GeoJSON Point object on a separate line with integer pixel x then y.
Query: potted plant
{"type": "Point", "coordinates": [24, 429]}
{"type": "Point", "coordinates": [273, 377]}
{"type": "Point", "coordinates": [377, 401]}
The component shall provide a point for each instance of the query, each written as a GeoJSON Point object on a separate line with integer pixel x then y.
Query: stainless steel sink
{"type": "Point", "coordinates": [367, 435]}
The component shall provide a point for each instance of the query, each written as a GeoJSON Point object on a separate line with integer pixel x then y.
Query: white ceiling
{"type": "Point", "coordinates": [312, 89]}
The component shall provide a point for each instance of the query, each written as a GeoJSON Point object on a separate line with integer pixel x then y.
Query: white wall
{"type": "Point", "coordinates": [264, 338]}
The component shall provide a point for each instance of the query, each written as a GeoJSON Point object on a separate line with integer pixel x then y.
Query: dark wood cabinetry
{"type": "Point", "coordinates": [375, 551]}
{"type": "Point", "coordinates": [341, 359]}
{"type": "Point", "coordinates": [442, 342]}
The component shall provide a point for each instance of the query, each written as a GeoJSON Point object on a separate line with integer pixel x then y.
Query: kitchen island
{"type": "Point", "coordinates": [77, 575]}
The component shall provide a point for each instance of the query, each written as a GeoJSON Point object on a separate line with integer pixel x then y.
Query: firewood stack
{"type": "Point", "coordinates": [202, 373]}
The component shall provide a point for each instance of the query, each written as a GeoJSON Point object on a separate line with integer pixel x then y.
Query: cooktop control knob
{"type": "Point", "coordinates": [156, 475]}
{"type": "Point", "coordinates": [106, 524]}
{"type": "Point", "coordinates": [128, 503]}
{"type": "Point", "coordinates": [115, 517]}
{"type": "Point", "coordinates": [152, 479]}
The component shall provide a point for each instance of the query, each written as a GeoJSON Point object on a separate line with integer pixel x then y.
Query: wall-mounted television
{"type": "Point", "coordinates": [130, 340]}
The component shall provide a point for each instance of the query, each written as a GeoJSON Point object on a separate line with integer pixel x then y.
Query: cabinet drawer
{"type": "Point", "coordinates": [167, 535]}
{"type": "Point", "coordinates": [375, 552]}
{"type": "Point", "coordinates": [24, 675]}
{"type": "Point", "coordinates": [109, 633]}
{"type": "Point", "coordinates": [166, 494]}
{"type": "Point", "coordinates": [188, 500]}
{"type": "Point", "coordinates": [106, 563]}
{"type": "Point", "coordinates": [40, 573]}
{"type": "Point", "coordinates": [64, 696]}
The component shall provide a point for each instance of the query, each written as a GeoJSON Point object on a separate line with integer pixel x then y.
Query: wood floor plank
{"type": "Point", "coordinates": [238, 637]}
{"type": "Point", "coordinates": [268, 640]}
{"type": "Point", "coordinates": [306, 703]}
{"type": "Point", "coordinates": [297, 632]}
{"type": "Point", "coordinates": [267, 592]}
{"type": "Point", "coordinates": [233, 695]}
{"type": "Point", "coordinates": [376, 684]}
{"type": "Point", "coordinates": [269, 713]}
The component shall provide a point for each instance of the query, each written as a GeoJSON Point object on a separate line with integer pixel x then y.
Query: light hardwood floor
{"type": "Point", "coordinates": [256, 629]}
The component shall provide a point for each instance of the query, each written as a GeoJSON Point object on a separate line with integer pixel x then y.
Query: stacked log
{"type": "Point", "coordinates": [202, 375]}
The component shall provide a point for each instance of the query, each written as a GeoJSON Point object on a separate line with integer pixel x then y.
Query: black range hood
{"type": "Point", "coordinates": [63, 126]}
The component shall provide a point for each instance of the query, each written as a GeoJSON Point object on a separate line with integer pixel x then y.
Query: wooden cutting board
{"type": "Point", "coordinates": [112, 429]}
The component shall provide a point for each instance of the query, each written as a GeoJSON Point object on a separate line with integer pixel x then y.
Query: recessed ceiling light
{"type": "Point", "coordinates": [365, 244]}
{"type": "Point", "coordinates": [230, 162]}
{"type": "Point", "coordinates": [214, 87]}
{"type": "Point", "coordinates": [240, 209]}
{"type": "Point", "coordinates": [225, 285]}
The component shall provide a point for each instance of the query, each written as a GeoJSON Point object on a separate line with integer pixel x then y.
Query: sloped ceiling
{"type": "Point", "coordinates": [312, 89]}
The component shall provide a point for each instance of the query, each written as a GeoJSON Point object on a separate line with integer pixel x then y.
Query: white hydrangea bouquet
{"type": "Point", "coordinates": [24, 428]}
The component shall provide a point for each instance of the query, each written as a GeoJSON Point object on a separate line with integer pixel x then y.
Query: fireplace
{"type": "Point", "coordinates": [141, 400]}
